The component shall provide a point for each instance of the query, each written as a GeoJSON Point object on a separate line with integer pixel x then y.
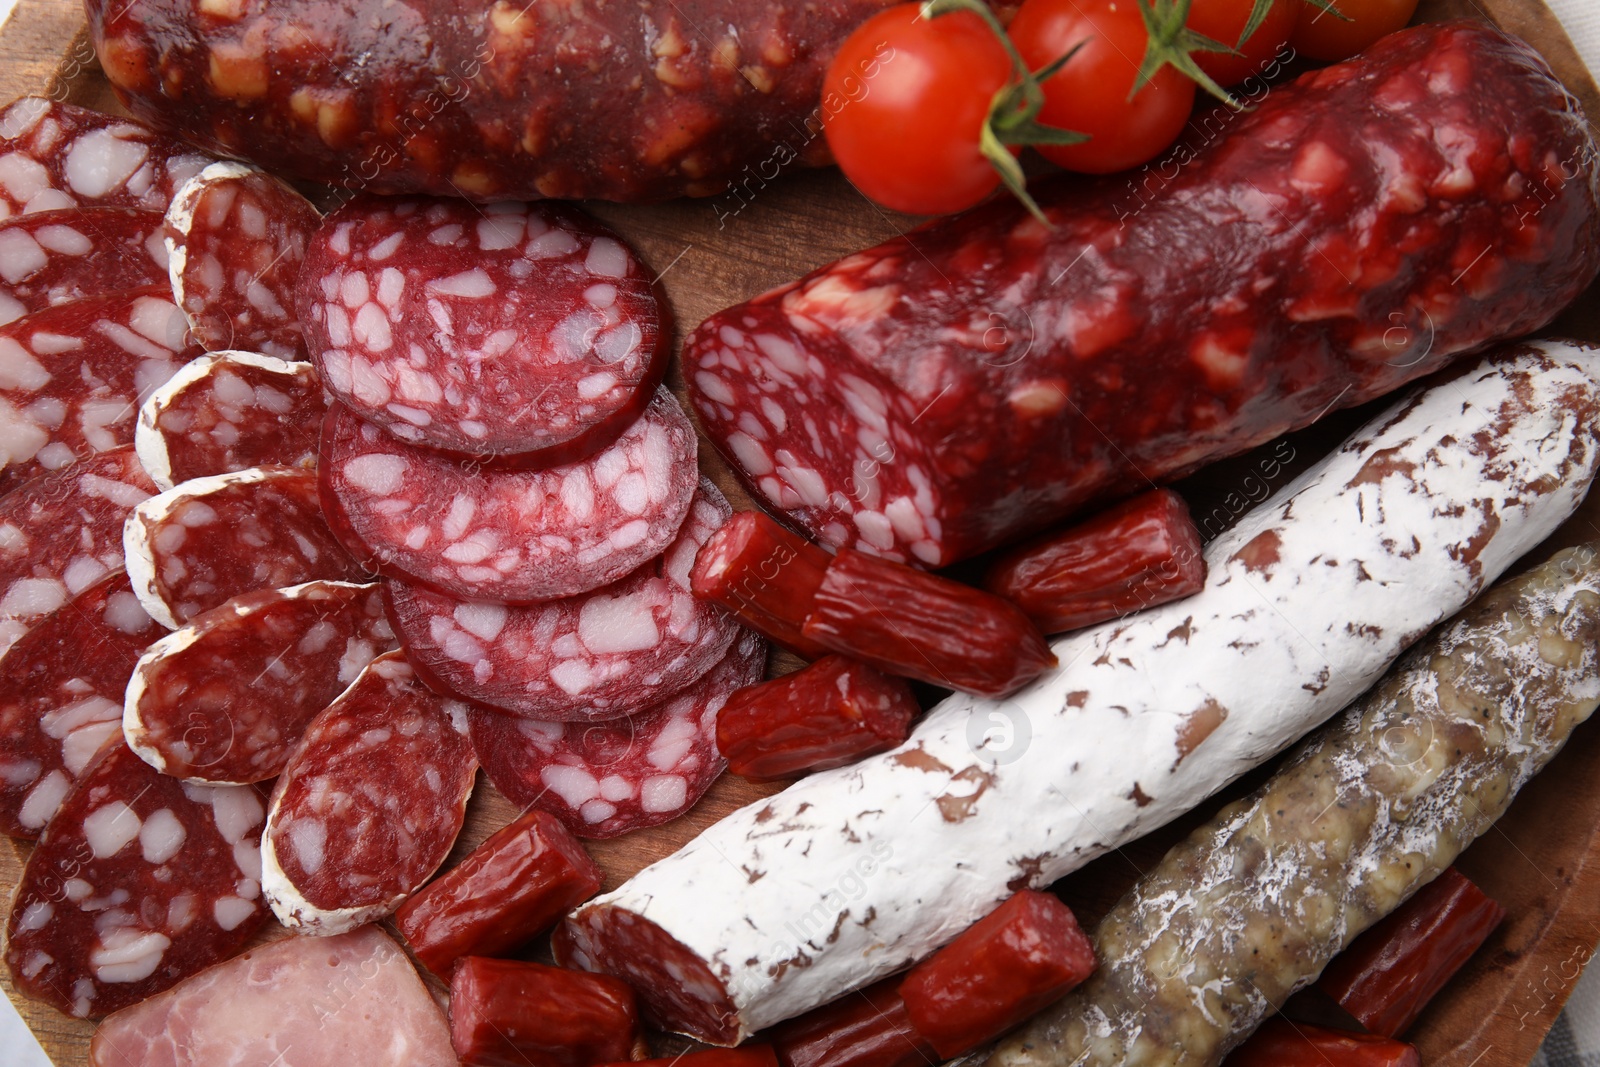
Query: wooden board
{"type": "Point", "coordinates": [1542, 860]}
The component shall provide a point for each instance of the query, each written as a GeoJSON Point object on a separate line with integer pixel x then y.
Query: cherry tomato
{"type": "Point", "coordinates": [903, 103]}
{"type": "Point", "coordinates": [1090, 93]}
{"type": "Point", "coordinates": [1320, 35]}
{"type": "Point", "coordinates": [1225, 20]}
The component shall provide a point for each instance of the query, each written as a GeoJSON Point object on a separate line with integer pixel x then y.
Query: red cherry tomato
{"type": "Point", "coordinates": [1090, 93]}
{"type": "Point", "coordinates": [903, 103]}
{"type": "Point", "coordinates": [1224, 20]}
{"type": "Point", "coordinates": [1321, 35]}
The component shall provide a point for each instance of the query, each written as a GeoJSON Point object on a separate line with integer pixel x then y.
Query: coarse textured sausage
{"type": "Point", "coordinates": [1255, 902]}
{"type": "Point", "coordinates": [226, 411]}
{"type": "Point", "coordinates": [370, 803]}
{"type": "Point", "coordinates": [987, 375]}
{"type": "Point", "coordinates": [72, 377]}
{"type": "Point", "coordinates": [55, 155]}
{"type": "Point", "coordinates": [226, 698]}
{"type": "Point", "coordinates": [510, 536]}
{"type": "Point", "coordinates": [598, 655]}
{"type": "Point", "coordinates": [138, 882]}
{"type": "Point", "coordinates": [524, 335]}
{"type": "Point", "coordinates": [606, 778]}
{"type": "Point", "coordinates": [491, 99]}
{"type": "Point", "coordinates": [52, 257]}
{"type": "Point", "coordinates": [61, 691]}
{"type": "Point", "coordinates": [1308, 599]}
{"type": "Point", "coordinates": [357, 993]}
{"type": "Point", "coordinates": [62, 532]}
{"type": "Point", "coordinates": [235, 239]}
{"type": "Point", "coordinates": [506, 1013]}
{"type": "Point", "coordinates": [209, 539]}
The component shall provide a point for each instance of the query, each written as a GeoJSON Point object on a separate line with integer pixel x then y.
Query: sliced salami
{"type": "Point", "coordinates": [523, 333]}
{"type": "Point", "coordinates": [236, 237]}
{"type": "Point", "coordinates": [72, 377]}
{"type": "Point", "coordinates": [55, 155]}
{"type": "Point", "coordinates": [61, 691]}
{"type": "Point", "coordinates": [62, 532]}
{"type": "Point", "coordinates": [226, 411]}
{"type": "Point", "coordinates": [599, 655]}
{"type": "Point", "coordinates": [204, 542]}
{"type": "Point", "coordinates": [227, 698]}
{"type": "Point", "coordinates": [370, 804]}
{"type": "Point", "coordinates": [53, 257]}
{"type": "Point", "coordinates": [138, 882]}
{"type": "Point", "coordinates": [604, 779]}
{"type": "Point", "coordinates": [511, 536]}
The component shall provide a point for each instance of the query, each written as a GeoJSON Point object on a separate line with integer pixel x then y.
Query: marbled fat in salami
{"type": "Point", "coordinates": [511, 536]}
{"type": "Point", "coordinates": [53, 257]}
{"type": "Point", "coordinates": [72, 377]}
{"type": "Point", "coordinates": [599, 655]}
{"type": "Point", "coordinates": [61, 690]}
{"type": "Point", "coordinates": [370, 804]}
{"type": "Point", "coordinates": [607, 778]}
{"type": "Point", "coordinates": [204, 542]}
{"type": "Point", "coordinates": [62, 532]}
{"type": "Point", "coordinates": [55, 155]}
{"type": "Point", "coordinates": [526, 334]}
{"type": "Point", "coordinates": [138, 882]}
{"type": "Point", "coordinates": [227, 698]}
{"type": "Point", "coordinates": [226, 411]}
{"type": "Point", "coordinates": [236, 237]}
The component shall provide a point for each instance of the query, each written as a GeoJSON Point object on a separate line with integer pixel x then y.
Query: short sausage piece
{"type": "Point", "coordinates": [1281, 1043]}
{"type": "Point", "coordinates": [764, 574]}
{"type": "Point", "coordinates": [510, 888]}
{"type": "Point", "coordinates": [1140, 554]}
{"type": "Point", "coordinates": [868, 1028]}
{"type": "Point", "coordinates": [829, 714]}
{"type": "Point", "coordinates": [505, 1013]}
{"type": "Point", "coordinates": [1027, 953]}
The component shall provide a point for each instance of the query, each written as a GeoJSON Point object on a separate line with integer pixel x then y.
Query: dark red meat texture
{"type": "Point", "coordinates": [743, 1056]}
{"type": "Point", "coordinates": [505, 1013]}
{"type": "Point", "coordinates": [489, 99]}
{"type": "Point", "coordinates": [606, 778]}
{"type": "Point", "coordinates": [598, 655]}
{"type": "Point", "coordinates": [61, 688]}
{"type": "Point", "coordinates": [986, 376]}
{"type": "Point", "coordinates": [766, 576]}
{"type": "Point", "coordinates": [138, 882]}
{"type": "Point", "coordinates": [1281, 1043]}
{"type": "Point", "coordinates": [52, 257]}
{"type": "Point", "coordinates": [522, 335]}
{"type": "Point", "coordinates": [867, 1028]}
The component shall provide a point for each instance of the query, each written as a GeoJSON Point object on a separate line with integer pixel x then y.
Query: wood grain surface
{"type": "Point", "coordinates": [1543, 859]}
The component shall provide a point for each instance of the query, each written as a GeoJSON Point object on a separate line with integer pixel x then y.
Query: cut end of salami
{"type": "Point", "coordinates": [519, 334]}
{"type": "Point", "coordinates": [54, 257]}
{"type": "Point", "coordinates": [509, 536]}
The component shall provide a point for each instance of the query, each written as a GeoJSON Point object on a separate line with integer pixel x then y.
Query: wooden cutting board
{"type": "Point", "coordinates": [1543, 859]}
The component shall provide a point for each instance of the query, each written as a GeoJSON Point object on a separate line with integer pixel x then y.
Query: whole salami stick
{"type": "Point", "coordinates": [1254, 904]}
{"type": "Point", "coordinates": [850, 874]}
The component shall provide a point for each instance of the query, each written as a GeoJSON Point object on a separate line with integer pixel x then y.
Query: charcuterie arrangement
{"type": "Point", "coordinates": [341, 460]}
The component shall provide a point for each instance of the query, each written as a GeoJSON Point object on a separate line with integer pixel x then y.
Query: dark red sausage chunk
{"type": "Point", "coordinates": [504, 1013]}
{"type": "Point", "coordinates": [1390, 973]}
{"type": "Point", "coordinates": [829, 714]}
{"type": "Point", "coordinates": [743, 1056]}
{"type": "Point", "coordinates": [1139, 554]}
{"type": "Point", "coordinates": [52, 257]}
{"type": "Point", "coordinates": [1024, 955]}
{"type": "Point", "coordinates": [868, 1028]}
{"type": "Point", "coordinates": [1281, 1043]}
{"type": "Point", "coordinates": [507, 890]}
{"type": "Point", "coordinates": [765, 575]}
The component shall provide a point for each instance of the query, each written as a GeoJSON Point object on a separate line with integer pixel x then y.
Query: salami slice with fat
{"type": "Point", "coordinates": [138, 882]}
{"type": "Point", "coordinates": [599, 655]}
{"type": "Point", "coordinates": [209, 539]}
{"type": "Point", "coordinates": [227, 698]}
{"type": "Point", "coordinates": [53, 257]}
{"type": "Point", "coordinates": [235, 237]}
{"type": "Point", "coordinates": [509, 536]}
{"type": "Point", "coordinates": [370, 804]}
{"type": "Point", "coordinates": [526, 334]}
{"type": "Point", "coordinates": [72, 377]}
{"type": "Point", "coordinates": [62, 532]}
{"type": "Point", "coordinates": [61, 690]}
{"type": "Point", "coordinates": [606, 778]}
{"type": "Point", "coordinates": [226, 411]}
{"type": "Point", "coordinates": [56, 155]}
